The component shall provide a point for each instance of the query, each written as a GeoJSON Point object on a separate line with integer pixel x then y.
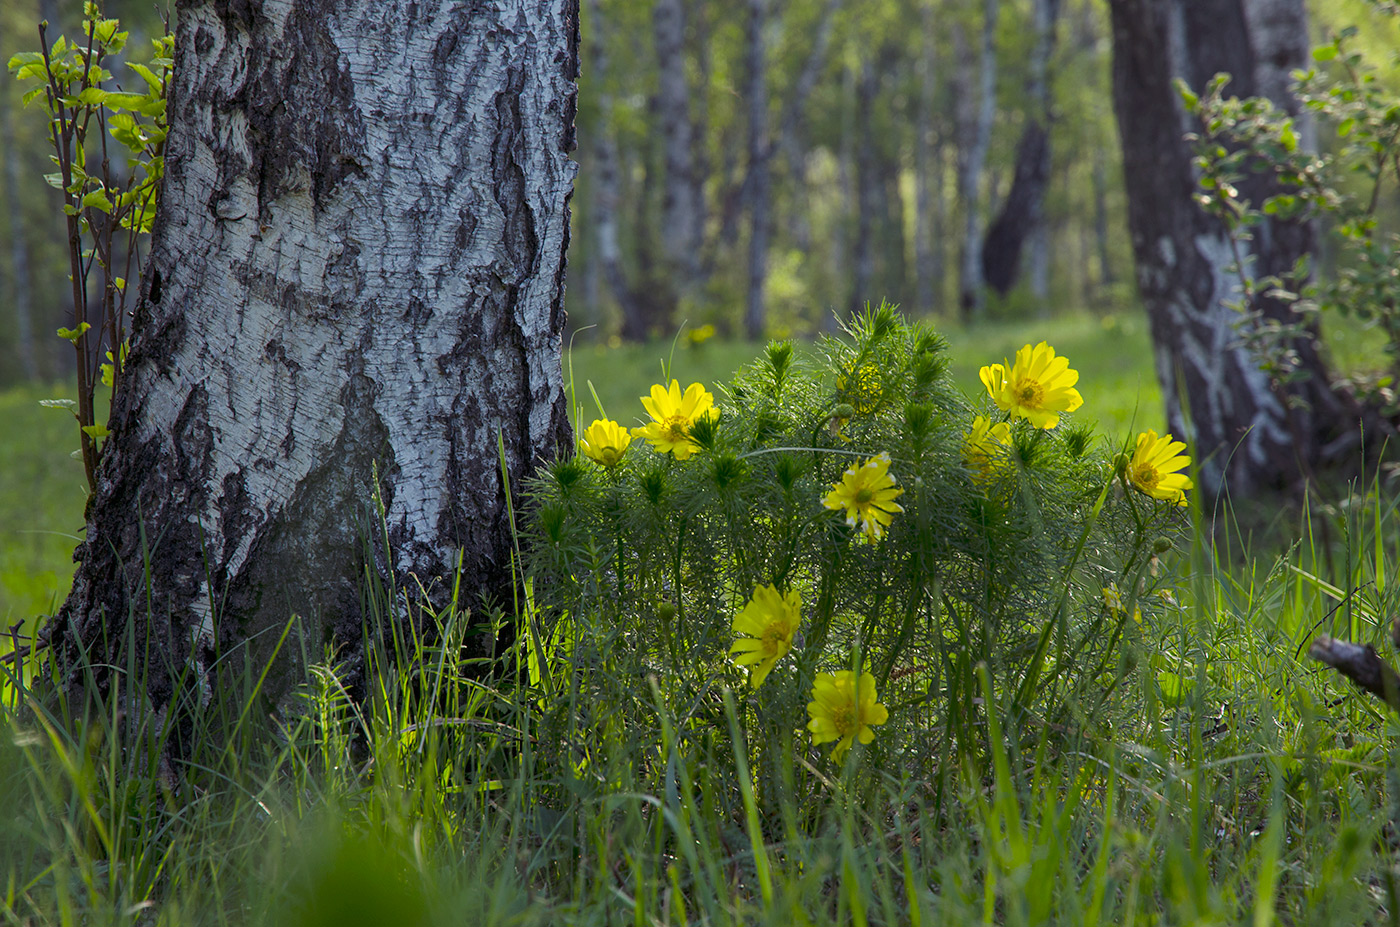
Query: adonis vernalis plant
{"type": "Point", "coordinates": [853, 524]}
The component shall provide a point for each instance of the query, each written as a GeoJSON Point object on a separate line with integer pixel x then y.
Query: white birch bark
{"type": "Point", "coordinates": [976, 137]}
{"type": "Point", "coordinates": [356, 279]}
{"type": "Point", "coordinates": [759, 154]}
{"type": "Point", "coordinates": [928, 274]}
{"type": "Point", "coordinates": [682, 205]}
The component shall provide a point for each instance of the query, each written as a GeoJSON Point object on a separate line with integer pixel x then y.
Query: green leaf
{"type": "Point", "coordinates": [96, 432]}
{"type": "Point", "coordinates": [1288, 137]}
{"type": "Point", "coordinates": [148, 76]}
{"type": "Point", "coordinates": [97, 199]}
{"type": "Point", "coordinates": [136, 101]}
{"type": "Point", "coordinates": [93, 96]}
{"type": "Point", "coordinates": [1324, 52]}
{"type": "Point", "coordinates": [68, 404]}
{"type": "Point", "coordinates": [73, 334]}
{"type": "Point", "coordinates": [1174, 687]}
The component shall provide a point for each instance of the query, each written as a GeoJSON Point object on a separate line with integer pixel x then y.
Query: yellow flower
{"type": "Point", "coordinates": [1154, 465]}
{"type": "Point", "coordinates": [984, 448]}
{"type": "Point", "coordinates": [842, 709]}
{"type": "Point", "coordinates": [867, 493]}
{"type": "Point", "coordinates": [604, 442]}
{"type": "Point", "coordinates": [1113, 598]}
{"type": "Point", "coordinates": [863, 390]}
{"type": "Point", "coordinates": [770, 621]}
{"type": "Point", "coordinates": [698, 336]}
{"type": "Point", "coordinates": [673, 415]}
{"type": "Point", "coordinates": [1038, 387]}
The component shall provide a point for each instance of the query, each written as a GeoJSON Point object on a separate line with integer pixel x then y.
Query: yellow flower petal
{"type": "Point", "coordinates": [1038, 387]}
{"type": "Point", "coordinates": [1152, 470]}
{"type": "Point", "coordinates": [770, 621]}
{"type": "Point", "coordinates": [673, 415]}
{"type": "Point", "coordinates": [844, 709]}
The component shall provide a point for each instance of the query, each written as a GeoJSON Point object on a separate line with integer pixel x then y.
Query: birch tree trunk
{"type": "Point", "coordinates": [1249, 432]}
{"type": "Point", "coordinates": [867, 188]}
{"type": "Point", "coordinates": [976, 137]}
{"type": "Point", "coordinates": [605, 199]}
{"type": "Point", "coordinates": [1021, 220]}
{"type": "Point", "coordinates": [760, 156]}
{"type": "Point", "coordinates": [682, 204]}
{"type": "Point", "coordinates": [355, 287]}
{"type": "Point", "coordinates": [928, 270]}
{"type": "Point", "coordinates": [794, 118]}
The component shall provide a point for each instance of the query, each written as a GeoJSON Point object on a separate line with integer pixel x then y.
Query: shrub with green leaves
{"type": "Point", "coordinates": [109, 210]}
{"type": "Point", "coordinates": [841, 539]}
{"type": "Point", "coordinates": [1358, 113]}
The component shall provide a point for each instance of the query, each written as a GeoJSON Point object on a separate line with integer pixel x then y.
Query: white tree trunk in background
{"type": "Point", "coordinates": [682, 222]}
{"type": "Point", "coordinates": [356, 275]}
{"type": "Point", "coordinates": [975, 136]}
{"type": "Point", "coordinates": [928, 270]}
{"type": "Point", "coordinates": [604, 182]}
{"type": "Point", "coordinates": [759, 154]}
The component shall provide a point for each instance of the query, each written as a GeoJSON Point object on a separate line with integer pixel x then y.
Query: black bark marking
{"type": "Point", "coordinates": [512, 195]}
{"type": "Point", "coordinates": [305, 129]}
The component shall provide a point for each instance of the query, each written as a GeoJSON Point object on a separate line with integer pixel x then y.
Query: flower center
{"type": "Point", "coordinates": [844, 720]}
{"type": "Point", "coordinates": [1146, 477]}
{"type": "Point", "coordinates": [1030, 393]}
{"type": "Point", "coordinates": [773, 638]}
{"type": "Point", "coordinates": [676, 427]}
{"type": "Point", "coordinates": [865, 496]}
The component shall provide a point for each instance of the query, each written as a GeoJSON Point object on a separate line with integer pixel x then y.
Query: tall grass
{"type": "Point", "coordinates": [1255, 791]}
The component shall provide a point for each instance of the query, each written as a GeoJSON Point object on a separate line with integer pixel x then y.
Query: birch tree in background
{"type": "Point", "coordinates": [355, 287]}
{"type": "Point", "coordinates": [683, 202]}
{"type": "Point", "coordinates": [759, 186]}
{"type": "Point", "coordinates": [1250, 431]}
{"type": "Point", "coordinates": [1020, 228]}
{"type": "Point", "coordinates": [974, 138]}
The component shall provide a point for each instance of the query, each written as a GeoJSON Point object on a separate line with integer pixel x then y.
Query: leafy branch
{"type": "Point", "coordinates": [108, 201]}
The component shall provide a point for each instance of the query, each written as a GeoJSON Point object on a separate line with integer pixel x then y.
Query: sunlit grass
{"type": "Point", "coordinates": [1113, 355]}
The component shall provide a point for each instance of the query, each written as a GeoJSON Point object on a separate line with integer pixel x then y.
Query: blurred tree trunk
{"type": "Point", "coordinates": [759, 155]}
{"type": "Point", "coordinates": [794, 118]}
{"type": "Point", "coordinates": [867, 188]}
{"type": "Point", "coordinates": [636, 325]}
{"type": "Point", "coordinates": [974, 138]}
{"type": "Point", "coordinates": [19, 246]}
{"type": "Point", "coordinates": [1021, 220]}
{"type": "Point", "coordinates": [1250, 432]}
{"type": "Point", "coordinates": [683, 219]}
{"type": "Point", "coordinates": [1100, 180]}
{"type": "Point", "coordinates": [354, 300]}
{"type": "Point", "coordinates": [928, 163]}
